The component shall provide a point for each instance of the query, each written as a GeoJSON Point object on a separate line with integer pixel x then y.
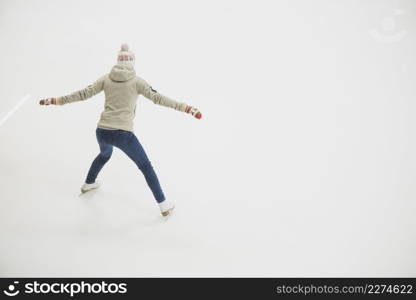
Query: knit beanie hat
{"type": "Point", "coordinates": [125, 57]}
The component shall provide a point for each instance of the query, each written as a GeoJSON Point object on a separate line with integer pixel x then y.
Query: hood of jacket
{"type": "Point", "coordinates": [122, 73]}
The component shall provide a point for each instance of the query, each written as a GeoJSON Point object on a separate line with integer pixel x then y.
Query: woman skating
{"type": "Point", "coordinates": [115, 127]}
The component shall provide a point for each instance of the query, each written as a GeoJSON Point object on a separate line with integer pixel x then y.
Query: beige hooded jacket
{"type": "Point", "coordinates": [121, 88]}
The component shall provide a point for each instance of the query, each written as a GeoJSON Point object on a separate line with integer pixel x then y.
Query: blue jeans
{"type": "Point", "coordinates": [129, 144]}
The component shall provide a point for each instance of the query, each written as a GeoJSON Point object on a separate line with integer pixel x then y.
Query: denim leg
{"type": "Point", "coordinates": [105, 153]}
{"type": "Point", "coordinates": [132, 147]}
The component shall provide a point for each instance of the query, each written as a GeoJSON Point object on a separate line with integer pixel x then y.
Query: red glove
{"type": "Point", "coordinates": [193, 111]}
{"type": "Point", "coordinates": [49, 101]}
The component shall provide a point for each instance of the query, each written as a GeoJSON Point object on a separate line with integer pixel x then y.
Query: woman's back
{"type": "Point", "coordinates": [121, 91]}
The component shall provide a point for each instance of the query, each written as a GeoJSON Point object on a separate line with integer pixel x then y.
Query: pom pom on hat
{"type": "Point", "coordinates": [124, 47]}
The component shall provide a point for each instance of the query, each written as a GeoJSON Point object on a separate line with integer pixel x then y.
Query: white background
{"type": "Point", "coordinates": [302, 165]}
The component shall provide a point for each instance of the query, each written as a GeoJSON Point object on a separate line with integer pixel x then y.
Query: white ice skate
{"type": "Point", "coordinates": [86, 187]}
{"type": "Point", "coordinates": [166, 208]}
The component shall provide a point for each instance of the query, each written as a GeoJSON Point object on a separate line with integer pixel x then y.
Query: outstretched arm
{"type": "Point", "coordinates": [146, 90]}
{"type": "Point", "coordinates": [80, 95]}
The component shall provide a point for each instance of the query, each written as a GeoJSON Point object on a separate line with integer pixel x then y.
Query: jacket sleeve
{"type": "Point", "coordinates": [146, 90]}
{"type": "Point", "coordinates": [83, 94]}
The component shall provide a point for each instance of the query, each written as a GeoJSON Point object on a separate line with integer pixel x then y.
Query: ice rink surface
{"type": "Point", "coordinates": [302, 165]}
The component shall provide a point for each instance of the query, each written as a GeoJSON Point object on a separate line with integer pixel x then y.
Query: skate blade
{"type": "Point", "coordinates": [168, 213]}
{"type": "Point", "coordinates": [86, 191]}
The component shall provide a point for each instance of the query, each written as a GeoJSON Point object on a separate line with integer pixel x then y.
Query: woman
{"type": "Point", "coordinates": [115, 128]}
